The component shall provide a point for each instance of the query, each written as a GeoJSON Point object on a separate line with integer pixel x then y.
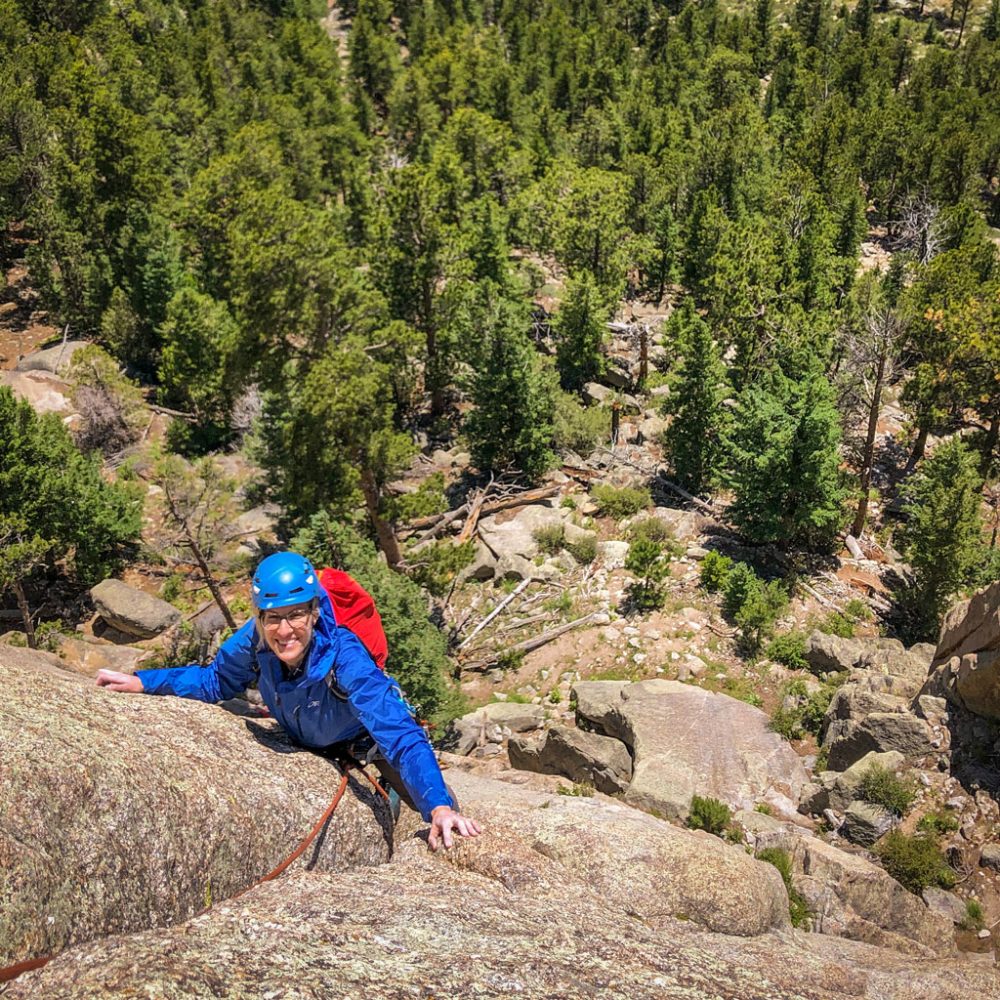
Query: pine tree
{"type": "Point", "coordinates": [511, 425]}
{"type": "Point", "coordinates": [785, 458]}
{"type": "Point", "coordinates": [942, 537]}
{"type": "Point", "coordinates": [695, 440]}
{"type": "Point", "coordinates": [580, 332]}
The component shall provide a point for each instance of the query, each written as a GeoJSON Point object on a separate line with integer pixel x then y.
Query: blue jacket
{"type": "Point", "coordinates": [306, 708]}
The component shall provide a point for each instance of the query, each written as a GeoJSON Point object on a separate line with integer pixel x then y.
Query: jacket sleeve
{"type": "Point", "coordinates": [375, 700]}
{"type": "Point", "coordinates": [226, 676]}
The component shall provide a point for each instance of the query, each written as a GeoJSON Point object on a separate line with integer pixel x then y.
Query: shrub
{"type": "Point", "coordinates": [583, 551]}
{"type": "Point", "coordinates": [555, 696]}
{"type": "Point", "coordinates": [110, 405]}
{"type": "Point", "coordinates": [710, 815]}
{"type": "Point", "coordinates": [620, 503]}
{"type": "Point", "coordinates": [787, 723]}
{"type": "Point", "coordinates": [938, 822]}
{"type": "Point", "coordinates": [576, 427]}
{"type": "Point", "coordinates": [652, 529]}
{"type": "Point", "coordinates": [881, 787]}
{"type": "Point", "coordinates": [436, 566]}
{"type": "Point", "coordinates": [761, 609]}
{"type": "Point", "coordinates": [798, 911]}
{"type": "Point", "coordinates": [427, 499]}
{"type": "Point", "coordinates": [789, 649]}
{"type": "Point", "coordinates": [741, 581]}
{"type": "Point", "coordinates": [715, 569]}
{"type": "Point", "coordinates": [579, 788]}
{"type": "Point", "coordinates": [550, 538]}
{"type": "Point", "coordinates": [837, 624]}
{"type": "Point", "coordinates": [974, 918]}
{"type": "Point", "coordinates": [915, 862]}
{"type": "Point", "coordinates": [646, 559]}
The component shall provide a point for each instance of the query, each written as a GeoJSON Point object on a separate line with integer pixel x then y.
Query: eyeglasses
{"type": "Point", "coordinates": [297, 618]}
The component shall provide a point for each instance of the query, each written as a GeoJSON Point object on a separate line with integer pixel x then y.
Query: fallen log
{"type": "Point", "coordinates": [493, 507]}
{"type": "Point", "coordinates": [530, 644]}
{"type": "Point", "coordinates": [510, 597]}
{"type": "Point", "coordinates": [683, 493]}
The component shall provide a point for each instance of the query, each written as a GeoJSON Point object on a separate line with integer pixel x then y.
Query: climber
{"type": "Point", "coordinates": [321, 684]}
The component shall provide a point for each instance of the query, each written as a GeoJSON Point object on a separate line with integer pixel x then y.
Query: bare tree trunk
{"type": "Point", "coordinates": [22, 604]}
{"type": "Point", "coordinates": [990, 443]}
{"type": "Point", "coordinates": [191, 542]}
{"type": "Point", "coordinates": [868, 459]}
{"type": "Point", "coordinates": [387, 541]}
{"type": "Point", "coordinates": [966, 4]}
{"type": "Point", "coordinates": [643, 354]}
{"type": "Point", "coordinates": [918, 450]}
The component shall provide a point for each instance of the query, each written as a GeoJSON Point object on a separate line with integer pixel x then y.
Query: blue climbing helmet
{"type": "Point", "coordinates": [283, 579]}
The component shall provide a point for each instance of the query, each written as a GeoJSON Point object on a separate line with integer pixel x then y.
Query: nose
{"type": "Point", "coordinates": [284, 629]}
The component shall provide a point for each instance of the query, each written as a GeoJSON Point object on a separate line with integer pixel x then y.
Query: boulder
{"type": "Point", "coordinates": [851, 897]}
{"type": "Point", "coordinates": [123, 812]}
{"type": "Point", "coordinates": [977, 683]}
{"type": "Point", "coordinates": [596, 702]}
{"type": "Point", "coordinates": [560, 897]}
{"type": "Point", "coordinates": [43, 391]}
{"type": "Point", "coordinates": [990, 856]}
{"type": "Point", "coordinates": [865, 822]}
{"type": "Point", "coordinates": [944, 903]}
{"type": "Point", "coordinates": [880, 731]}
{"type": "Point", "coordinates": [55, 360]}
{"type": "Point", "coordinates": [575, 535]}
{"type": "Point", "coordinates": [487, 724]}
{"type": "Point", "coordinates": [971, 626]}
{"type": "Point", "coordinates": [133, 611]}
{"type": "Point", "coordinates": [576, 754]}
{"type": "Point", "coordinates": [843, 788]}
{"type": "Point", "coordinates": [257, 523]}
{"type": "Point", "coordinates": [516, 537]}
{"type": "Point", "coordinates": [87, 656]}
{"type": "Point", "coordinates": [612, 554]}
{"type": "Point", "coordinates": [855, 701]}
{"type": "Point", "coordinates": [827, 654]}
{"type": "Point", "coordinates": [594, 392]}
{"type": "Point", "coordinates": [685, 525]}
{"type": "Point", "coordinates": [652, 428]}
{"type": "Point", "coordinates": [482, 567]}
{"type": "Point", "coordinates": [515, 567]}
{"type": "Point", "coordinates": [686, 741]}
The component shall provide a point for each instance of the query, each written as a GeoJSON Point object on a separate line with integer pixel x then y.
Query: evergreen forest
{"type": "Point", "coordinates": [323, 236]}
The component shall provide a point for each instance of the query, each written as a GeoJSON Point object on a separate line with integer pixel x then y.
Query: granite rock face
{"type": "Point", "coordinates": [578, 755]}
{"type": "Point", "coordinates": [124, 812]}
{"type": "Point", "coordinates": [133, 611]}
{"type": "Point", "coordinates": [519, 912]}
{"type": "Point", "coordinates": [686, 741]}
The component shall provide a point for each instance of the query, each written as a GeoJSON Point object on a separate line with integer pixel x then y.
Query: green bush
{"type": "Point", "coordinates": [550, 538]}
{"type": "Point", "coordinates": [915, 862]}
{"type": "Point", "coordinates": [652, 529]}
{"type": "Point", "coordinates": [882, 788]}
{"type": "Point", "coordinates": [715, 569]}
{"type": "Point", "coordinates": [648, 561]}
{"type": "Point", "coordinates": [427, 499]}
{"type": "Point", "coordinates": [938, 822]}
{"type": "Point", "coordinates": [580, 789]}
{"type": "Point", "coordinates": [807, 716]}
{"type": "Point", "coordinates": [710, 815]}
{"type": "Point", "coordinates": [974, 919]}
{"type": "Point", "coordinates": [436, 566]}
{"type": "Point", "coordinates": [741, 582]}
{"type": "Point", "coordinates": [620, 503]}
{"type": "Point", "coordinates": [789, 649]}
{"type": "Point", "coordinates": [583, 551]}
{"type": "Point", "coordinates": [576, 427]}
{"type": "Point", "coordinates": [837, 624]}
{"type": "Point", "coordinates": [798, 911]}
{"type": "Point", "coordinates": [758, 613]}
{"type": "Point", "coordinates": [787, 723]}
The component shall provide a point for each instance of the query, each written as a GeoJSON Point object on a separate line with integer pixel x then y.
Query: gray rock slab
{"type": "Point", "coordinates": [977, 683]}
{"type": "Point", "coordinates": [516, 536]}
{"type": "Point", "coordinates": [578, 755]}
{"type": "Point", "coordinates": [686, 741]}
{"type": "Point", "coordinates": [880, 731]}
{"type": "Point", "coordinates": [944, 903]}
{"type": "Point", "coordinates": [52, 359]}
{"type": "Point", "coordinates": [865, 822]}
{"type": "Point", "coordinates": [990, 857]}
{"type": "Point", "coordinates": [971, 626]}
{"type": "Point", "coordinates": [844, 788]}
{"type": "Point", "coordinates": [43, 391]}
{"type": "Point", "coordinates": [596, 702]}
{"type": "Point", "coordinates": [612, 554]}
{"type": "Point", "coordinates": [133, 611]}
{"type": "Point", "coordinates": [832, 654]}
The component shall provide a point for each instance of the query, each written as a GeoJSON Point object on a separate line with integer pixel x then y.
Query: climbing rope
{"type": "Point", "coordinates": [11, 972]}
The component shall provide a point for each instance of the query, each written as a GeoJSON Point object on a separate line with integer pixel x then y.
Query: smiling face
{"type": "Point", "coordinates": [288, 632]}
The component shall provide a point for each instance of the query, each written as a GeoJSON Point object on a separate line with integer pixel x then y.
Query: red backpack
{"type": "Point", "coordinates": [354, 609]}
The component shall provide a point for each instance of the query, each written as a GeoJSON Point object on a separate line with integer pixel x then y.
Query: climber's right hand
{"type": "Point", "coordinates": [115, 680]}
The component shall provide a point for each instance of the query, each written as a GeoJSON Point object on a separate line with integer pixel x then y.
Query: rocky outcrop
{"type": "Point", "coordinates": [686, 741]}
{"type": "Point", "coordinates": [133, 611]}
{"type": "Point", "coordinates": [492, 723]}
{"type": "Point", "coordinates": [971, 626]}
{"type": "Point", "coordinates": [879, 732]}
{"type": "Point", "coordinates": [559, 898]}
{"type": "Point", "coordinates": [124, 812]}
{"type": "Point", "coordinates": [578, 755]}
{"type": "Point", "coordinates": [830, 654]}
{"type": "Point", "coordinates": [865, 822]}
